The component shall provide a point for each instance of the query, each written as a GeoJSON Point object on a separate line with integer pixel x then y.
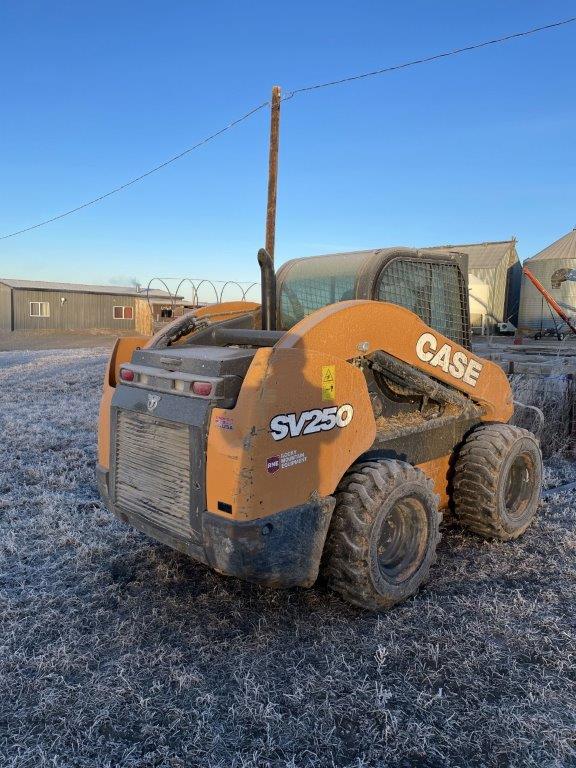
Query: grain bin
{"type": "Point", "coordinates": [496, 266]}
{"type": "Point", "coordinates": [534, 312]}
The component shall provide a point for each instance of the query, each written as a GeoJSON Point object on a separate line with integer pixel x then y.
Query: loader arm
{"type": "Point", "coordinates": [352, 329]}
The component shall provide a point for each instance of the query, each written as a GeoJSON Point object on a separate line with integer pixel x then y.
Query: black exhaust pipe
{"type": "Point", "coordinates": [268, 278]}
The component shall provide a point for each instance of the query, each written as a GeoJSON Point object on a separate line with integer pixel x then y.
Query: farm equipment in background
{"type": "Point", "coordinates": [506, 328]}
{"type": "Point", "coordinates": [561, 276]}
{"type": "Point", "coordinates": [557, 279]}
{"type": "Point", "coordinates": [324, 430]}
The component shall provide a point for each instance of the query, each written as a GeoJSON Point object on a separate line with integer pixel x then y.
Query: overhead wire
{"type": "Point", "coordinates": [289, 95]}
{"type": "Point", "coordinates": [427, 59]}
{"type": "Point", "coordinates": [143, 175]}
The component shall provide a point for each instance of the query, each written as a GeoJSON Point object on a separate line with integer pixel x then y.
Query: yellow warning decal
{"type": "Point", "coordinates": [328, 382]}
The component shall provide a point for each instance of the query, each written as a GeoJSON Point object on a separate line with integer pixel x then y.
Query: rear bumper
{"type": "Point", "coordinates": [281, 550]}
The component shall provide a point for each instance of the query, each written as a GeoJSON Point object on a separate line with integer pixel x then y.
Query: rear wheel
{"type": "Point", "coordinates": [383, 535]}
{"type": "Point", "coordinates": [497, 481]}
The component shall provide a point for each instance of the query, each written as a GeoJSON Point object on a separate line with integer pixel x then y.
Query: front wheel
{"type": "Point", "coordinates": [497, 481]}
{"type": "Point", "coordinates": [383, 535]}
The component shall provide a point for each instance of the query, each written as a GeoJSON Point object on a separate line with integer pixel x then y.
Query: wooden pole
{"type": "Point", "coordinates": [273, 170]}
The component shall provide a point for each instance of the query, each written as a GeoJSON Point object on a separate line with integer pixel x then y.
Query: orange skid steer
{"type": "Point", "coordinates": [324, 430]}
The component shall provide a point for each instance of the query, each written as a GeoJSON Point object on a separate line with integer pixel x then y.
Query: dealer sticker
{"type": "Point", "coordinates": [272, 464]}
{"type": "Point", "coordinates": [284, 461]}
{"type": "Point", "coordinates": [224, 422]}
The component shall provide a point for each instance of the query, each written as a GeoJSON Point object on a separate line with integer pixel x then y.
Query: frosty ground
{"type": "Point", "coordinates": [116, 651]}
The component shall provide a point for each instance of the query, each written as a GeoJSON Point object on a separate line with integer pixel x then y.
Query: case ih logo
{"type": "Point", "coordinates": [272, 464]}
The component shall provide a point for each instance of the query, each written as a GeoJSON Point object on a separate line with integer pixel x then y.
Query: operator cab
{"type": "Point", "coordinates": [433, 286]}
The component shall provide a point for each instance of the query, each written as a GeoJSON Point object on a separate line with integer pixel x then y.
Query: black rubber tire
{"type": "Point", "coordinates": [368, 507]}
{"type": "Point", "coordinates": [498, 467]}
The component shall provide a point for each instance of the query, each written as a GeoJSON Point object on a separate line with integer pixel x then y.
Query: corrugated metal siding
{"type": "Point", "coordinates": [480, 255]}
{"type": "Point", "coordinates": [533, 309]}
{"type": "Point", "coordinates": [80, 311]}
{"type": "Point", "coordinates": [110, 290]}
{"type": "Point", "coordinates": [5, 308]}
{"type": "Point", "coordinates": [497, 266]}
{"type": "Point", "coordinates": [496, 278]}
{"type": "Point", "coordinates": [564, 248]}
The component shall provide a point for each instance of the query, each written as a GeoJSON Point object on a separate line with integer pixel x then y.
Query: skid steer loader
{"type": "Point", "coordinates": [324, 430]}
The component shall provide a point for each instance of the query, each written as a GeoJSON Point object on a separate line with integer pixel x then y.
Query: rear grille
{"type": "Point", "coordinates": [152, 472]}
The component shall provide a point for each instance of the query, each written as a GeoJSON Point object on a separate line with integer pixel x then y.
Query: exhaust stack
{"type": "Point", "coordinates": [268, 279]}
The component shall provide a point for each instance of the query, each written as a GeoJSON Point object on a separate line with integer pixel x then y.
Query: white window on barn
{"type": "Point", "coordinates": [39, 309]}
{"type": "Point", "coordinates": [123, 313]}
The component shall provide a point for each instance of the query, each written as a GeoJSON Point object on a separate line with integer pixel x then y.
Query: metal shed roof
{"type": "Point", "coordinates": [114, 290]}
{"type": "Point", "coordinates": [564, 248]}
{"type": "Point", "coordinates": [481, 255]}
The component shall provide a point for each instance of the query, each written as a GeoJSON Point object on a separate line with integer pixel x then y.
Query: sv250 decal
{"type": "Point", "coordinates": [310, 422]}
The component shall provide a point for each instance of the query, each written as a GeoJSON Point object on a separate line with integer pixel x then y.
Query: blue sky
{"type": "Point", "coordinates": [473, 148]}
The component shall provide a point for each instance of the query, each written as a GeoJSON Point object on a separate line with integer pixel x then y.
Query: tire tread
{"type": "Point", "coordinates": [347, 550]}
{"type": "Point", "coordinates": [476, 478]}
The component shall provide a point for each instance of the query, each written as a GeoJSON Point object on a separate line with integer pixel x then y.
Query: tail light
{"type": "Point", "coordinates": [126, 374]}
{"type": "Point", "coordinates": [203, 388]}
{"type": "Point", "coordinates": [177, 382]}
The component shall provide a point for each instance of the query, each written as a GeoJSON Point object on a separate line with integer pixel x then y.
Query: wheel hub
{"type": "Point", "coordinates": [402, 540]}
{"type": "Point", "coordinates": [519, 485]}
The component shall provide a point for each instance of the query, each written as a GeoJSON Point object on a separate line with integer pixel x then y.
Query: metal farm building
{"type": "Point", "coordinates": [30, 305]}
{"type": "Point", "coordinates": [495, 275]}
{"type": "Point", "coordinates": [534, 312]}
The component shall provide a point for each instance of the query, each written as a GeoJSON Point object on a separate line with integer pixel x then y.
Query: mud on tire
{"type": "Point", "coordinates": [383, 534]}
{"type": "Point", "coordinates": [497, 481]}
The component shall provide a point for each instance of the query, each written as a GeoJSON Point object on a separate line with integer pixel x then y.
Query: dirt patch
{"type": "Point", "coordinates": [116, 651]}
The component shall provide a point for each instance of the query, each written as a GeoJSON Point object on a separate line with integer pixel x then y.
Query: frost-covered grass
{"type": "Point", "coordinates": [116, 651]}
{"type": "Point", "coordinates": [554, 396]}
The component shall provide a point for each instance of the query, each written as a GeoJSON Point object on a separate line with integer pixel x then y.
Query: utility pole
{"type": "Point", "coordinates": [273, 170]}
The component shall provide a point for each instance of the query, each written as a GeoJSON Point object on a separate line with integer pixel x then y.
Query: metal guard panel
{"type": "Point", "coordinates": [163, 452]}
{"type": "Point", "coordinates": [152, 471]}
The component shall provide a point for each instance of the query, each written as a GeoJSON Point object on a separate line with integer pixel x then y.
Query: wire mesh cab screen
{"type": "Point", "coordinates": [432, 290]}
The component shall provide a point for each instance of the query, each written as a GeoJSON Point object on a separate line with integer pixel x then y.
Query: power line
{"type": "Point", "coordinates": [289, 95]}
{"type": "Point", "coordinates": [428, 59]}
{"type": "Point", "coordinates": [142, 176]}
